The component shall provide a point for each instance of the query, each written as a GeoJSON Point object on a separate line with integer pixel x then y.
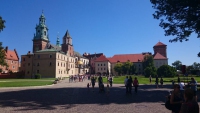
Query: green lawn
{"type": "Point", "coordinates": [25, 82]}
{"type": "Point", "coordinates": [143, 80]}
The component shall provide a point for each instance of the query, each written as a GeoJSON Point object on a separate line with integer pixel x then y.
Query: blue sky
{"type": "Point", "coordinates": [107, 26]}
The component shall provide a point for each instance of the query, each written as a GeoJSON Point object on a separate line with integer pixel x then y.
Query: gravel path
{"type": "Point", "coordinates": [66, 97]}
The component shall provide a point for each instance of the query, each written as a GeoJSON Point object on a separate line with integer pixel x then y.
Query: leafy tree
{"type": "Point", "coordinates": [133, 69]}
{"type": "Point", "coordinates": [166, 71]}
{"type": "Point", "coordinates": [118, 68]}
{"type": "Point", "coordinates": [151, 70]}
{"type": "Point", "coordinates": [196, 65]}
{"type": "Point", "coordinates": [177, 64]}
{"type": "Point", "coordinates": [126, 67]}
{"type": "Point", "coordinates": [2, 52]}
{"type": "Point", "coordinates": [189, 68]}
{"type": "Point", "coordinates": [178, 17]}
{"type": "Point", "coordinates": [2, 26]}
{"type": "Point", "coordinates": [148, 61]}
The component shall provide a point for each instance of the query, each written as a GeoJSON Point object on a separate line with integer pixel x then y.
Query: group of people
{"type": "Point", "coordinates": [101, 84]}
{"type": "Point", "coordinates": [183, 98]}
{"type": "Point", "coordinates": [157, 81]}
{"type": "Point", "coordinates": [129, 82]}
{"type": "Point", "coordinates": [77, 78]}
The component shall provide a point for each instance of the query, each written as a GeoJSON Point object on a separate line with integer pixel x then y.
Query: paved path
{"type": "Point", "coordinates": [66, 97]}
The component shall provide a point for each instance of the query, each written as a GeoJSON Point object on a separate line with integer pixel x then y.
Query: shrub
{"type": "Point", "coordinates": [166, 71]}
{"type": "Point", "coordinates": [37, 76]}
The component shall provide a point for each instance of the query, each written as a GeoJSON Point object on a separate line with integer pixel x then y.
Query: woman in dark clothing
{"type": "Point", "coordinates": [130, 82]}
{"type": "Point", "coordinates": [176, 99]}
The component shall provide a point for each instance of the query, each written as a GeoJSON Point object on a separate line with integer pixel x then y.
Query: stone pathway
{"type": "Point", "coordinates": [66, 97]}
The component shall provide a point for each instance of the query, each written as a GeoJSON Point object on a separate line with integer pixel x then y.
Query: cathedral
{"type": "Point", "coordinates": [52, 61]}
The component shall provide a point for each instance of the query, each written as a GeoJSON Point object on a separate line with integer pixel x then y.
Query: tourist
{"type": "Point", "coordinates": [107, 90]}
{"type": "Point", "coordinates": [110, 81]}
{"type": "Point", "coordinates": [130, 82]}
{"type": "Point", "coordinates": [193, 84]}
{"type": "Point", "coordinates": [135, 84]}
{"type": "Point", "coordinates": [157, 81]}
{"type": "Point", "coordinates": [150, 79]}
{"type": "Point", "coordinates": [189, 106]}
{"type": "Point", "coordinates": [88, 86]}
{"type": "Point", "coordinates": [175, 99]}
{"type": "Point", "coordinates": [179, 80]}
{"type": "Point", "coordinates": [182, 87]}
{"type": "Point", "coordinates": [161, 81]}
{"type": "Point", "coordinates": [126, 84]}
{"type": "Point", "coordinates": [93, 83]}
{"type": "Point", "coordinates": [100, 81]}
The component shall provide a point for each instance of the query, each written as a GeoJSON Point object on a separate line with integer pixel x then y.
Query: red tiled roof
{"type": "Point", "coordinates": [101, 59]}
{"type": "Point", "coordinates": [11, 55]}
{"type": "Point", "coordinates": [159, 56]}
{"type": "Point", "coordinates": [160, 44]}
{"type": "Point", "coordinates": [127, 57]}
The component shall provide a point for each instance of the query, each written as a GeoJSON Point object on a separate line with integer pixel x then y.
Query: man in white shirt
{"type": "Point", "coordinates": [125, 83]}
{"type": "Point", "coordinates": [182, 86]}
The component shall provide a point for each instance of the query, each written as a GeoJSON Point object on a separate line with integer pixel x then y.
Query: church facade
{"type": "Point", "coordinates": [52, 61]}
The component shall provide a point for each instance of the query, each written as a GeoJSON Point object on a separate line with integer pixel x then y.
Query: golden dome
{"type": "Point", "coordinates": [80, 62]}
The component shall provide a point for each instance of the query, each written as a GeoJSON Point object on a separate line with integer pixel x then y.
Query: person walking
{"type": "Point", "coordinates": [193, 84]}
{"type": "Point", "coordinates": [100, 81]}
{"type": "Point", "coordinates": [135, 84]}
{"type": "Point", "coordinates": [110, 81]}
{"type": "Point", "coordinates": [182, 87]}
{"type": "Point", "coordinates": [150, 79]}
{"type": "Point", "coordinates": [161, 81]}
{"type": "Point", "coordinates": [157, 81]}
{"type": "Point", "coordinates": [189, 106]}
{"type": "Point", "coordinates": [93, 83]}
{"type": "Point", "coordinates": [126, 84]}
{"type": "Point", "coordinates": [130, 82]}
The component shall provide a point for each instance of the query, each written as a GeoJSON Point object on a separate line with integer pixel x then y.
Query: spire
{"type": "Point", "coordinates": [42, 18]}
{"type": "Point", "coordinates": [58, 41]}
{"type": "Point", "coordinates": [67, 34]}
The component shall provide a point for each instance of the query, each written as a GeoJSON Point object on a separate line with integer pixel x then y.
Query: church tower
{"type": "Point", "coordinates": [67, 46]}
{"type": "Point", "coordinates": [40, 38]}
{"type": "Point", "coordinates": [160, 48]}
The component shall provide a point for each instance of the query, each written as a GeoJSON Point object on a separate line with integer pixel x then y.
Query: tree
{"type": "Point", "coordinates": [148, 61]}
{"type": "Point", "coordinates": [2, 22]}
{"type": "Point", "coordinates": [177, 64]}
{"type": "Point", "coordinates": [196, 65]}
{"type": "Point", "coordinates": [166, 71]}
{"type": "Point", "coordinates": [178, 18]}
{"type": "Point", "coordinates": [189, 68]}
{"type": "Point", "coordinates": [133, 69]}
{"type": "Point", "coordinates": [126, 67]}
{"type": "Point", "coordinates": [151, 70]}
{"type": "Point", "coordinates": [118, 68]}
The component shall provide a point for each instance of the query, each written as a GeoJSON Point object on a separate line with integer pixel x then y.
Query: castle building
{"type": "Point", "coordinates": [12, 60]}
{"type": "Point", "coordinates": [160, 58]}
{"type": "Point", "coordinates": [52, 61]}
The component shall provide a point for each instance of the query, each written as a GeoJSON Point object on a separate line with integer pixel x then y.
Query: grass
{"type": "Point", "coordinates": [25, 82]}
{"type": "Point", "coordinates": [144, 80]}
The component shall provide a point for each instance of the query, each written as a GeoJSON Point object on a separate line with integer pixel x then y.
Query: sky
{"type": "Point", "coordinates": [96, 26]}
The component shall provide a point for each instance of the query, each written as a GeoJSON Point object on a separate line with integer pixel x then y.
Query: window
{"type": "Point", "coordinates": [13, 67]}
{"type": "Point", "coordinates": [104, 68]}
{"type": "Point", "coordinates": [50, 56]}
{"type": "Point", "coordinates": [29, 56]}
{"type": "Point", "coordinates": [38, 64]}
{"type": "Point", "coordinates": [38, 71]}
{"type": "Point", "coordinates": [61, 64]}
{"type": "Point", "coordinates": [58, 63]}
{"type": "Point", "coordinates": [24, 59]}
{"type": "Point", "coordinates": [104, 64]}
{"type": "Point", "coordinates": [38, 56]}
{"type": "Point", "coordinates": [98, 64]}
{"type": "Point", "coordinates": [11, 62]}
{"type": "Point", "coordinates": [28, 72]}
{"type": "Point", "coordinates": [101, 64]}
{"type": "Point", "coordinates": [28, 64]}
{"type": "Point", "coordinates": [49, 63]}
{"type": "Point", "coordinates": [45, 33]}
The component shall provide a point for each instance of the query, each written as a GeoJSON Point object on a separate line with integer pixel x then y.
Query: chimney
{"type": "Point", "coordinates": [29, 52]}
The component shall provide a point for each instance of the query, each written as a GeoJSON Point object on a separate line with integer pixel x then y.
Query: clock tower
{"type": "Point", "coordinates": [41, 37]}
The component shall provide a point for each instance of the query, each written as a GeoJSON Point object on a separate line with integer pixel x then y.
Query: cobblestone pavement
{"type": "Point", "coordinates": [66, 97]}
